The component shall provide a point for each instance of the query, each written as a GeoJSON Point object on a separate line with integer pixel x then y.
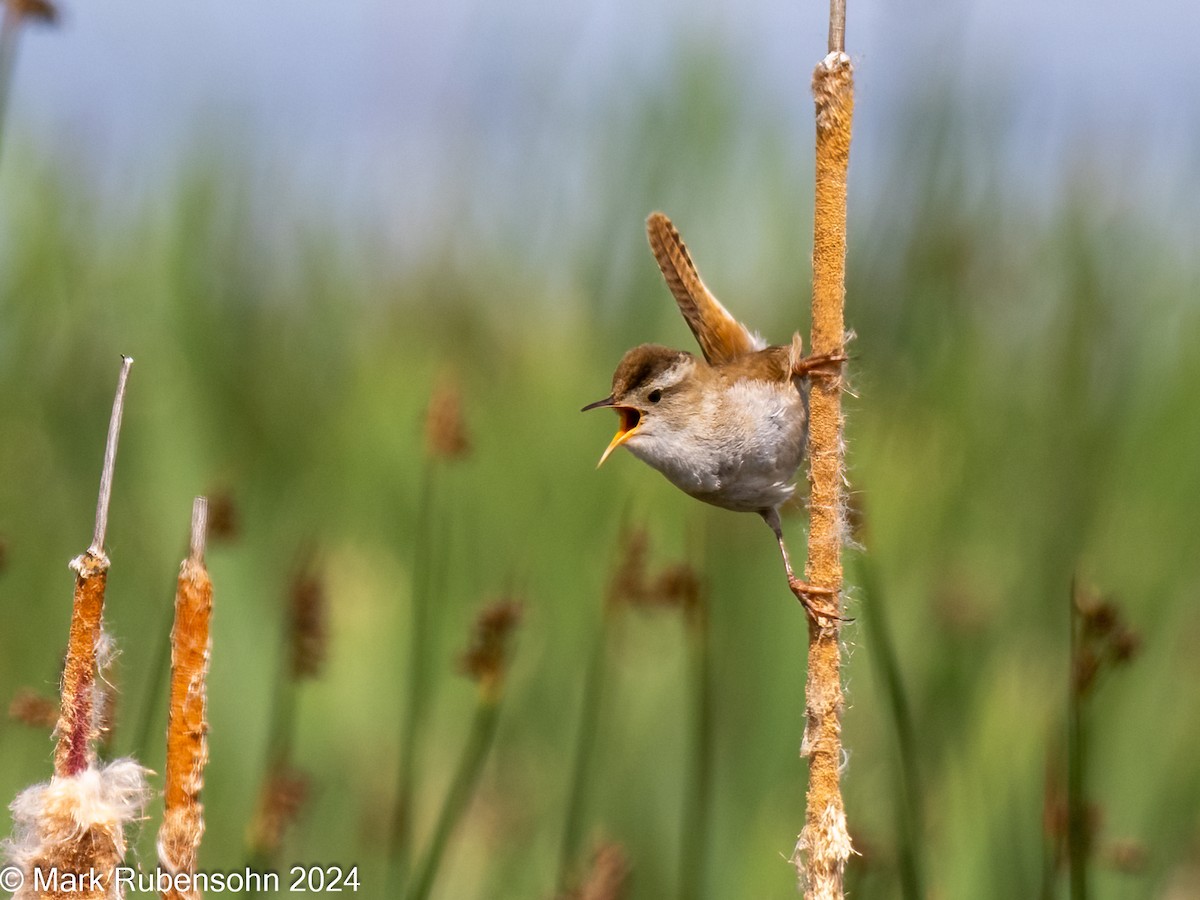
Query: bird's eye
{"type": "Point", "coordinates": [654, 396]}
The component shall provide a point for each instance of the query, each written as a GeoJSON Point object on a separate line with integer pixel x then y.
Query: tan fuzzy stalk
{"type": "Point", "coordinates": [824, 845]}
{"type": "Point", "coordinates": [77, 723]}
{"type": "Point", "coordinates": [187, 748]}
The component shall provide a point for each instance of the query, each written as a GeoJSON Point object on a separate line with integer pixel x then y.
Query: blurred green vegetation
{"type": "Point", "coordinates": [1026, 410]}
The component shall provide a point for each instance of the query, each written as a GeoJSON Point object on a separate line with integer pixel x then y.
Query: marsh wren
{"type": "Point", "coordinates": [729, 429]}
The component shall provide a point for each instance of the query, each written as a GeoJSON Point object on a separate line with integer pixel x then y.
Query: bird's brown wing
{"type": "Point", "coordinates": [722, 338]}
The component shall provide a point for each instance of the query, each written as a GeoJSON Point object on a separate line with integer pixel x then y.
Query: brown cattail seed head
{"type": "Point", "coordinates": [1125, 645]}
{"type": "Point", "coordinates": [486, 657]}
{"type": "Point", "coordinates": [679, 586]}
{"type": "Point", "coordinates": [42, 11]}
{"type": "Point", "coordinates": [628, 582]}
{"type": "Point", "coordinates": [283, 797]}
{"type": "Point", "coordinates": [30, 708]}
{"type": "Point", "coordinates": [445, 428]}
{"type": "Point", "coordinates": [608, 878]}
{"type": "Point", "coordinates": [676, 586]}
{"type": "Point", "coordinates": [223, 523]}
{"type": "Point", "coordinates": [308, 624]}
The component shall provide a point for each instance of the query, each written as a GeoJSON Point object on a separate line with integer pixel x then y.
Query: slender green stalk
{"type": "Point", "coordinates": [281, 730]}
{"type": "Point", "coordinates": [585, 743]}
{"type": "Point", "coordinates": [400, 844]}
{"type": "Point", "coordinates": [156, 682]}
{"type": "Point", "coordinates": [462, 788]}
{"type": "Point", "coordinates": [1077, 829]}
{"type": "Point", "coordinates": [881, 649]}
{"type": "Point", "coordinates": [697, 796]}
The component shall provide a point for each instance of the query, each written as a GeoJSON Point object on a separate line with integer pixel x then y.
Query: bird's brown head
{"type": "Point", "coordinates": [649, 379]}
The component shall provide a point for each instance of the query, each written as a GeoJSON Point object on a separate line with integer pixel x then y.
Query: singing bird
{"type": "Point", "coordinates": [729, 429]}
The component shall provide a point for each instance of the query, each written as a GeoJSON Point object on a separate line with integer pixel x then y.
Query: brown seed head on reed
{"type": "Point", "coordinates": [445, 427]}
{"type": "Point", "coordinates": [1056, 825]}
{"type": "Point", "coordinates": [628, 581]}
{"type": "Point", "coordinates": [41, 11]}
{"type": "Point", "coordinates": [1105, 639]}
{"type": "Point", "coordinates": [1127, 856]}
{"type": "Point", "coordinates": [284, 795]}
{"type": "Point", "coordinates": [487, 655]}
{"type": "Point", "coordinates": [223, 520]}
{"type": "Point", "coordinates": [675, 586]}
{"type": "Point", "coordinates": [678, 586]}
{"type": "Point", "coordinates": [607, 879]}
{"type": "Point", "coordinates": [75, 825]}
{"type": "Point", "coordinates": [308, 621]}
{"type": "Point", "coordinates": [33, 709]}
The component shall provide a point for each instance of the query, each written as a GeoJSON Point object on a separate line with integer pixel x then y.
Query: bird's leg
{"type": "Point", "coordinates": [813, 597]}
{"type": "Point", "coordinates": [818, 364]}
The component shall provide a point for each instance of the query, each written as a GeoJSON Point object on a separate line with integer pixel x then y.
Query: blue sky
{"type": "Point", "coordinates": [344, 93]}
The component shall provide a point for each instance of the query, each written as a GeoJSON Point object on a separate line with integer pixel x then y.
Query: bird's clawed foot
{"type": "Point", "coordinates": [816, 600]}
{"type": "Point", "coordinates": [827, 364]}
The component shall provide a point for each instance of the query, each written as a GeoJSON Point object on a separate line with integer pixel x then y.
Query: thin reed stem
{"type": "Point", "coordinates": [585, 743]}
{"type": "Point", "coordinates": [881, 649]}
{"type": "Point", "coordinates": [697, 795]}
{"type": "Point", "coordinates": [400, 844]}
{"type": "Point", "coordinates": [110, 460]}
{"type": "Point", "coordinates": [462, 788]}
{"type": "Point", "coordinates": [1077, 824]}
{"type": "Point", "coordinates": [160, 667]}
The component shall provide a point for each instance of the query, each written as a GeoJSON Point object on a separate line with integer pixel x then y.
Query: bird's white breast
{"type": "Point", "coordinates": [739, 450]}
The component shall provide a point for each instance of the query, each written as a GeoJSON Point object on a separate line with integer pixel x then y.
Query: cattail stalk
{"type": "Point", "coordinates": [824, 846]}
{"type": "Point", "coordinates": [187, 748]}
{"type": "Point", "coordinates": [77, 723]}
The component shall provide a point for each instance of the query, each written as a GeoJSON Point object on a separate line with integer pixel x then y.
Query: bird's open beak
{"type": "Point", "coordinates": [630, 419]}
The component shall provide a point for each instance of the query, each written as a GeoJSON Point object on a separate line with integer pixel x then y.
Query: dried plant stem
{"type": "Point", "coordinates": [824, 845]}
{"type": "Point", "coordinates": [77, 727]}
{"type": "Point", "coordinates": [462, 788]}
{"type": "Point", "coordinates": [187, 749]}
